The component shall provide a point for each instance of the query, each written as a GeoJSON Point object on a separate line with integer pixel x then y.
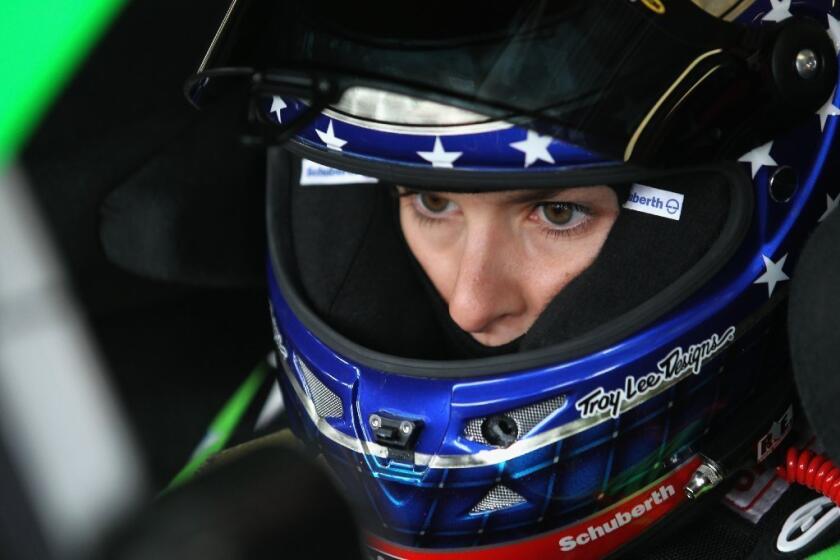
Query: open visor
{"type": "Point", "coordinates": [636, 81]}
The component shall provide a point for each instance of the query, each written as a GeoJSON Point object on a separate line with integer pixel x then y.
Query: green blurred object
{"type": "Point", "coordinates": [223, 426]}
{"type": "Point", "coordinates": [832, 553]}
{"type": "Point", "coordinates": [41, 42]}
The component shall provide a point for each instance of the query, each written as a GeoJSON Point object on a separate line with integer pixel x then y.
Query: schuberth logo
{"type": "Point", "coordinates": [312, 173]}
{"type": "Point", "coordinates": [658, 202]}
{"type": "Point", "coordinates": [621, 518]}
{"type": "Point", "coordinates": [673, 367]}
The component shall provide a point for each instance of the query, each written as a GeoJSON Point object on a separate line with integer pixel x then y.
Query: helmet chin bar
{"type": "Point", "coordinates": [723, 105]}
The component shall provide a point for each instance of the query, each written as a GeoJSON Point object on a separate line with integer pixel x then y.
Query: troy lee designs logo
{"type": "Point", "coordinates": [673, 367]}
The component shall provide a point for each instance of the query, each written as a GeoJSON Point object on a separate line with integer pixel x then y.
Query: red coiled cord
{"type": "Point", "coordinates": [812, 470]}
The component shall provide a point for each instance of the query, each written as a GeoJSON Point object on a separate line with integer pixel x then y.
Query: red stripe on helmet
{"type": "Point", "coordinates": [594, 537]}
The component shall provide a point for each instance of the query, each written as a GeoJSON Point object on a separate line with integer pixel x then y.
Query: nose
{"type": "Point", "coordinates": [488, 290]}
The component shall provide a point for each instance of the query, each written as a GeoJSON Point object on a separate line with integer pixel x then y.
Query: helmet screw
{"type": "Point", "coordinates": [406, 427]}
{"type": "Point", "coordinates": [807, 64]}
{"type": "Point", "coordinates": [375, 421]}
{"type": "Point", "coordinates": [783, 184]}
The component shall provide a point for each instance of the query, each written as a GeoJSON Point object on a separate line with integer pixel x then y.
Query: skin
{"type": "Point", "coordinates": [498, 259]}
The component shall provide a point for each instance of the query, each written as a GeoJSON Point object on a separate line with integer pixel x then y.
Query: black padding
{"type": "Point", "coordinates": [361, 279]}
{"type": "Point", "coordinates": [642, 255]}
{"type": "Point", "coordinates": [355, 271]}
{"type": "Point", "coordinates": [192, 213]}
{"type": "Point", "coordinates": [814, 326]}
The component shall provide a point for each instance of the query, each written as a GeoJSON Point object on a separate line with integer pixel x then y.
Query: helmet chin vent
{"type": "Point", "coordinates": [518, 422]}
{"type": "Point", "coordinates": [327, 404]}
{"type": "Point", "coordinates": [499, 497]}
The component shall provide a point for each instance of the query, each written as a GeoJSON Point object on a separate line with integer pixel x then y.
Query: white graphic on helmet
{"type": "Point", "coordinates": [330, 139]}
{"type": "Point", "coordinates": [828, 110]}
{"type": "Point", "coordinates": [773, 273]}
{"type": "Point", "coordinates": [807, 523]}
{"type": "Point", "coordinates": [831, 205]}
{"type": "Point", "coordinates": [834, 31]}
{"type": "Point", "coordinates": [439, 157]}
{"type": "Point", "coordinates": [780, 11]}
{"type": "Point", "coordinates": [658, 202]}
{"type": "Point", "coordinates": [671, 369]}
{"type": "Point", "coordinates": [759, 157]}
{"type": "Point", "coordinates": [277, 105]}
{"type": "Point", "coordinates": [312, 173]}
{"type": "Point", "coordinates": [535, 147]}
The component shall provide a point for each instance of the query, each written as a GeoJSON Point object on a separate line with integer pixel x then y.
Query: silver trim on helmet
{"type": "Point", "coordinates": [484, 458]}
{"type": "Point", "coordinates": [480, 459]}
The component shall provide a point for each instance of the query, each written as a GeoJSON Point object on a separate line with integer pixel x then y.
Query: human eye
{"type": "Point", "coordinates": [431, 206]}
{"type": "Point", "coordinates": [562, 218]}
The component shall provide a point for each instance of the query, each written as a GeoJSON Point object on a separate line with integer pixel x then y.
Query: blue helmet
{"type": "Point", "coordinates": [649, 377]}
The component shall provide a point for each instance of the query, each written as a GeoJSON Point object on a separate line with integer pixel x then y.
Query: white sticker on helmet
{"type": "Point", "coordinates": [312, 173]}
{"type": "Point", "coordinates": [659, 202]}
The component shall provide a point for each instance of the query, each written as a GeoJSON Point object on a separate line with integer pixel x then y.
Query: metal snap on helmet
{"type": "Point", "coordinates": [651, 375]}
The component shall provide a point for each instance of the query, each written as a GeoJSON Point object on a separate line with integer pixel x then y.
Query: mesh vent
{"type": "Point", "coordinates": [525, 417]}
{"type": "Point", "coordinates": [327, 403]}
{"type": "Point", "coordinates": [499, 497]}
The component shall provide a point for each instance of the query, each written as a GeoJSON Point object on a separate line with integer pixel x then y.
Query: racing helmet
{"type": "Point", "coordinates": [652, 374]}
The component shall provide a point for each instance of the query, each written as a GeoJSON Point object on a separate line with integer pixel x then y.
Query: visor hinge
{"type": "Point", "coordinates": [397, 435]}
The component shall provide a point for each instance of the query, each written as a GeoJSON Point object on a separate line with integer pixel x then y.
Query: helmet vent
{"type": "Point", "coordinates": [327, 404]}
{"type": "Point", "coordinates": [526, 418]}
{"type": "Point", "coordinates": [499, 497]}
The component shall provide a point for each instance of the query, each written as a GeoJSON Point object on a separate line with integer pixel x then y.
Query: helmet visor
{"type": "Point", "coordinates": [610, 76]}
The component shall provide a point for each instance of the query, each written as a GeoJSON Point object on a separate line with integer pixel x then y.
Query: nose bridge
{"type": "Point", "coordinates": [487, 256]}
{"type": "Point", "coordinates": [485, 287]}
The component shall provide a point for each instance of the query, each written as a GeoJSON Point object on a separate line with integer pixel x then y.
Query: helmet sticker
{"type": "Point", "coordinates": [439, 157]}
{"type": "Point", "coordinates": [671, 369]}
{"type": "Point", "coordinates": [773, 274]}
{"type": "Point", "coordinates": [829, 109]}
{"type": "Point", "coordinates": [312, 173]}
{"type": "Point", "coordinates": [329, 138]}
{"type": "Point", "coordinates": [535, 147]}
{"type": "Point", "coordinates": [759, 157]}
{"type": "Point", "coordinates": [831, 205]}
{"type": "Point", "coordinates": [277, 106]}
{"type": "Point", "coordinates": [780, 11]}
{"type": "Point", "coordinates": [620, 519]}
{"type": "Point", "coordinates": [778, 431]}
{"type": "Point", "coordinates": [659, 202]}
